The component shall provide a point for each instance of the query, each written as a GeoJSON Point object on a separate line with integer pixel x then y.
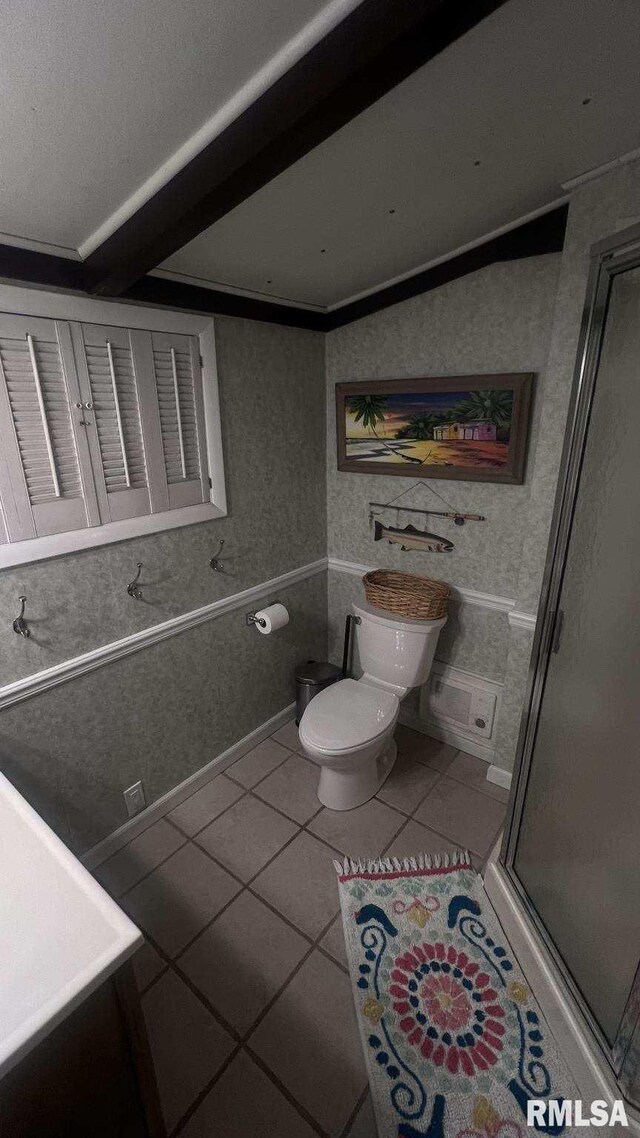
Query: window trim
{"type": "Point", "coordinates": [72, 307]}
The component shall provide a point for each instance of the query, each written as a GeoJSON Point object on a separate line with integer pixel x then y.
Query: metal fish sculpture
{"type": "Point", "coordinates": [412, 538]}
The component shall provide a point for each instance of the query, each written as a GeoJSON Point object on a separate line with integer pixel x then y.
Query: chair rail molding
{"type": "Point", "coordinates": [41, 681]}
{"type": "Point", "coordinates": [518, 619]}
{"type": "Point", "coordinates": [48, 678]}
{"type": "Point", "coordinates": [465, 596]}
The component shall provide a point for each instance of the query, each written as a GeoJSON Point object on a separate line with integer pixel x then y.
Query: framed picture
{"type": "Point", "coordinates": [473, 427]}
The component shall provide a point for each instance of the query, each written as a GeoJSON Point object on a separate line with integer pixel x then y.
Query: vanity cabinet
{"type": "Point", "coordinates": [92, 1077]}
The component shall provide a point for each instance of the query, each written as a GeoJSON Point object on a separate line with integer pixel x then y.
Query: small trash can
{"type": "Point", "coordinates": [311, 678]}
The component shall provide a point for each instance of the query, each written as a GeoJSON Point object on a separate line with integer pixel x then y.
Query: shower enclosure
{"type": "Point", "coordinates": [572, 844]}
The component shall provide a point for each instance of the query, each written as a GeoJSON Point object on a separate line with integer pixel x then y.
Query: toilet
{"type": "Point", "coordinates": [348, 728]}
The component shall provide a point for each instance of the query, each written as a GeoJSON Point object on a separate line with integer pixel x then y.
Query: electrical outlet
{"type": "Point", "coordinates": [134, 799]}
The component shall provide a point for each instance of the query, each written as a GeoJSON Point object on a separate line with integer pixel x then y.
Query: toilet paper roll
{"type": "Point", "coordinates": [274, 617]}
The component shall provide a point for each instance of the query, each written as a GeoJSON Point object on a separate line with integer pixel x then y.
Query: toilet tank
{"type": "Point", "coordinates": [394, 649]}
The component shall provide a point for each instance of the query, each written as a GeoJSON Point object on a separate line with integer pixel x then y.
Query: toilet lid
{"type": "Point", "coordinates": [346, 715]}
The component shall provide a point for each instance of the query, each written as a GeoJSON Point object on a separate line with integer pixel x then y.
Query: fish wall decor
{"type": "Point", "coordinates": [412, 538]}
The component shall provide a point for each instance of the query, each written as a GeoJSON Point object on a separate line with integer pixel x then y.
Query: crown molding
{"type": "Point", "coordinates": [544, 233]}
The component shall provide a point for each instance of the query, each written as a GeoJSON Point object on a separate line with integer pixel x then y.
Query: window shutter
{"type": "Point", "coordinates": [178, 381]}
{"type": "Point", "coordinates": [109, 383]}
{"type": "Point", "coordinates": [45, 470]}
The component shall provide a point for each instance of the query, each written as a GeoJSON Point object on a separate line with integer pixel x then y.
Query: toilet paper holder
{"type": "Point", "coordinates": [251, 618]}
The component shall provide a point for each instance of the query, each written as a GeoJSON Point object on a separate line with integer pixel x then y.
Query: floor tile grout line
{"type": "Point", "coordinates": [265, 802]}
{"type": "Point", "coordinates": [344, 1133]}
{"type": "Point", "coordinates": [218, 861]}
{"type": "Point", "coordinates": [203, 1092]}
{"type": "Point", "coordinates": [267, 1008]}
{"type": "Point", "coordinates": [120, 896]}
{"type": "Point", "coordinates": [206, 1003]}
{"type": "Point", "coordinates": [470, 786]}
{"type": "Point", "coordinates": [325, 952]}
{"type": "Point", "coordinates": [242, 1038]}
{"type": "Point", "coordinates": [285, 1092]}
{"type": "Point", "coordinates": [412, 817]}
{"type": "Point", "coordinates": [446, 771]}
{"type": "Point", "coordinates": [315, 947]}
{"type": "Point", "coordinates": [246, 886]}
{"type": "Point", "coordinates": [282, 813]}
{"type": "Point", "coordinates": [273, 769]}
{"type": "Point", "coordinates": [426, 794]}
{"type": "Point", "coordinates": [165, 966]}
{"type": "Point", "coordinates": [211, 820]}
{"type": "Point", "coordinates": [296, 928]}
{"type": "Point", "coordinates": [445, 838]}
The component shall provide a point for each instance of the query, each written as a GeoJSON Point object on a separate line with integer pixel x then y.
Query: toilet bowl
{"type": "Point", "coordinates": [348, 728]}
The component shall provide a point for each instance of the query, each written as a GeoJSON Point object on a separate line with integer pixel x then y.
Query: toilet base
{"type": "Point", "coordinates": [344, 788]}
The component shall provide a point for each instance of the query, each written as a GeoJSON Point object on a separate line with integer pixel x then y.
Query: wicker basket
{"type": "Point", "coordinates": [405, 594]}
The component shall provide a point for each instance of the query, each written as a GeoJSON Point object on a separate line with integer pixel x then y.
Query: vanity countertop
{"type": "Point", "coordinates": [61, 935]}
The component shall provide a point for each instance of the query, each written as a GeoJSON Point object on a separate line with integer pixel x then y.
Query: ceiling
{"type": "Point", "coordinates": [107, 100]}
{"type": "Point", "coordinates": [97, 95]}
{"type": "Point", "coordinates": [508, 95]}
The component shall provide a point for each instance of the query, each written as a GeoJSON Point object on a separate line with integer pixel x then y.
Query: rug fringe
{"type": "Point", "coordinates": [405, 864]}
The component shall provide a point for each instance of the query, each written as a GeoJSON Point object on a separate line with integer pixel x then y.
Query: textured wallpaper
{"type": "Point", "coordinates": [163, 713]}
{"type": "Point", "coordinates": [498, 319]}
{"type": "Point", "coordinates": [273, 413]}
{"type": "Point", "coordinates": [158, 715]}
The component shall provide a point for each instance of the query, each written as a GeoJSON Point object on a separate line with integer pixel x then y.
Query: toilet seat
{"type": "Point", "coordinates": [346, 716]}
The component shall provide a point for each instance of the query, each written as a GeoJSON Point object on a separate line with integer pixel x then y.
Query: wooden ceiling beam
{"type": "Point", "coordinates": [373, 49]}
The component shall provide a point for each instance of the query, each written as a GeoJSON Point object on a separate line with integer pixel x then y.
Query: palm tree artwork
{"type": "Point", "coordinates": [492, 405]}
{"type": "Point", "coordinates": [370, 410]}
{"type": "Point", "coordinates": [472, 427]}
{"type": "Point", "coordinates": [419, 426]}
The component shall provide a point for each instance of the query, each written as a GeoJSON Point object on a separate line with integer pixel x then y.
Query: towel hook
{"type": "Point", "coordinates": [133, 587]}
{"type": "Point", "coordinates": [215, 560]}
{"type": "Point", "coordinates": [20, 625]}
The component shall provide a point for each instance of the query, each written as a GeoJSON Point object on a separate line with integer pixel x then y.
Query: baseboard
{"type": "Point", "coordinates": [591, 1072]}
{"type": "Point", "coordinates": [456, 739]}
{"type": "Point", "coordinates": [499, 776]}
{"type": "Point", "coordinates": [125, 833]}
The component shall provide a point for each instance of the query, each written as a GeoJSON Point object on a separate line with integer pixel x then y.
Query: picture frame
{"type": "Point", "coordinates": [470, 427]}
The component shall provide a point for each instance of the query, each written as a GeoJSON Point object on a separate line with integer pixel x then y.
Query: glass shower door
{"type": "Point", "coordinates": [576, 851]}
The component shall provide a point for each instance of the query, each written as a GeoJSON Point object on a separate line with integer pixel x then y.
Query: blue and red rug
{"type": "Point", "coordinates": [454, 1042]}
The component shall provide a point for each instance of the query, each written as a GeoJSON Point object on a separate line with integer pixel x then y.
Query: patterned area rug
{"type": "Point", "coordinates": [454, 1042]}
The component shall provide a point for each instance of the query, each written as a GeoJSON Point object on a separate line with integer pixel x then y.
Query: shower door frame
{"type": "Point", "coordinates": [610, 257]}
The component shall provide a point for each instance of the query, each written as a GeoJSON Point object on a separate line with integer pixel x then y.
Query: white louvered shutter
{"type": "Point", "coordinates": [45, 479]}
{"type": "Point", "coordinates": [109, 382]}
{"type": "Point", "coordinates": [178, 382]}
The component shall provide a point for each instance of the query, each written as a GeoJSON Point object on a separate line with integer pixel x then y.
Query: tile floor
{"type": "Point", "coordinates": [243, 975]}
